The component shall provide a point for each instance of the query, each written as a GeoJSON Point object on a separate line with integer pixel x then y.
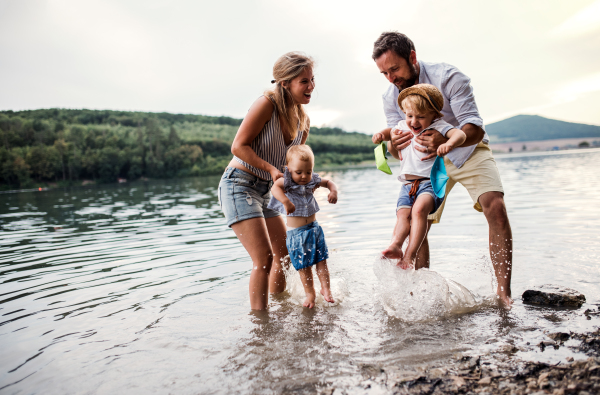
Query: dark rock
{"type": "Point", "coordinates": [559, 337]}
{"type": "Point", "coordinates": [554, 295]}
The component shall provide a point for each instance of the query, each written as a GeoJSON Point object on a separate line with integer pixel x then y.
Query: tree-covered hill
{"type": "Point", "coordinates": [534, 128]}
{"type": "Point", "coordinates": [67, 146]}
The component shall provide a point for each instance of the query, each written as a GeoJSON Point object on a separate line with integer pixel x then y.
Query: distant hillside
{"type": "Point", "coordinates": [69, 146]}
{"type": "Point", "coordinates": [534, 127]}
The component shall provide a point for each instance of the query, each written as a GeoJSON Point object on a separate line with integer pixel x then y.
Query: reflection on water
{"type": "Point", "coordinates": [142, 287]}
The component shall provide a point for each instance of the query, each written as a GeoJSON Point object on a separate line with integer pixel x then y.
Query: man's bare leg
{"type": "Point", "coordinates": [500, 242]}
{"type": "Point", "coordinates": [401, 230]}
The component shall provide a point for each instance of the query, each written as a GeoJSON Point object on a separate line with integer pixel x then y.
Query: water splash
{"type": "Point", "coordinates": [294, 287]}
{"type": "Point", "coordinates": [419, 295]}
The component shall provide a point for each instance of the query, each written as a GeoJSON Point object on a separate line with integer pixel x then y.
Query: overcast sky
{"type": "Point", "coordinates": [216, 57]}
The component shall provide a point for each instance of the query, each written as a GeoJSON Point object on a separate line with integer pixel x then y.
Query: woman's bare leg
{"type": "Point", "coordinates": [309, 287]}
{"type": "Point", "coordinates": [323, 273]}
{"type": "Point", "coordinates": [277, 235]}
{"type": "Point", "coordinates": [254, 236]}
{"type": "Point", "coordinates": [418, 229]}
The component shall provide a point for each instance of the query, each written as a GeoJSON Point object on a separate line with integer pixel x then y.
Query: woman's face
{"type": "Point", "coordinates": [302, 86]}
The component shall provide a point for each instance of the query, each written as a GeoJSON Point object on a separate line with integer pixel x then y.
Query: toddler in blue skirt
{"type": "Point", "coordinates": [293, 195]}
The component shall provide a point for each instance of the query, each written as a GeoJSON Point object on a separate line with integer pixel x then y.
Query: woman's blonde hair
{"type": "Point", "coordinates": [302, 152]}
{"type": "Point", "coordinates": [286, 68]}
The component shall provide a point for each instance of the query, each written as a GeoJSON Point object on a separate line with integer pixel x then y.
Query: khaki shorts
{"type": "Point", "coordinates": [479, 175]}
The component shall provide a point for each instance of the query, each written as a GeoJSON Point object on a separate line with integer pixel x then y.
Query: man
{"type": "Point", "coordinates": [395, 56]}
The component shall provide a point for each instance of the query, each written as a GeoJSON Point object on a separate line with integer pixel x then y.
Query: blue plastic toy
{"type": "Point", "coordinates": [439, 177]}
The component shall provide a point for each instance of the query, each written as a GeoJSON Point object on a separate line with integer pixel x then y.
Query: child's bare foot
{"type": "Point", "coordinates": [327, 295]}
{"type": "Point", "coordinates": [405, 263]}
{"type": "Point", "coordinates": [309, 301]}
{"type": "Point", "coordinates": [392, 252]}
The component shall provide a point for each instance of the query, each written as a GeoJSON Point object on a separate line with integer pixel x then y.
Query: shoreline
{"type": "Point", "coordinates": [497, 372]}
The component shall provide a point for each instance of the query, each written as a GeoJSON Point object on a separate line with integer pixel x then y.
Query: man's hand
{"type": "Point", "coordinates": [400, 140]}
{"type": "Point", "coordinates": [289, 207]}
{"type": "Point", "coordinates": [431, 139]}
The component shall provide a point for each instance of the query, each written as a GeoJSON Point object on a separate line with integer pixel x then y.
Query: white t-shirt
{"type": "Point", "coordinates": [411, 157]}
{"type": "Point", "coordinates": [459, 103]}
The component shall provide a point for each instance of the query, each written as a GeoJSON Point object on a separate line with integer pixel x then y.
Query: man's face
{"type": "Point", "coordinates": [397, 70]}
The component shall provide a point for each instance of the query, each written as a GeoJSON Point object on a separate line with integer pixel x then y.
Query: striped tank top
{"type": "Point", "coordinates": [270, 146]}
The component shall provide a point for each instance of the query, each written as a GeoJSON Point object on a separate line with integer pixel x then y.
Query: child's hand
{"type": "Point", "coordinates": [444, 149]}
{"type": "Point", "coordinates": [332, 197]}
{"type": "Point", "coordinates": [289, 207]}
{"type": "Point", "coordinates": [378, 138]}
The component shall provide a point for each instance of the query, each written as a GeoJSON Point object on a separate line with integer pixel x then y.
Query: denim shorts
{"type": "Point", "coordinates": [425, 188]}
{"type": "Point", "coordinates": [306, 245]}
{"type": "Point", "coordinates": [243, 196]}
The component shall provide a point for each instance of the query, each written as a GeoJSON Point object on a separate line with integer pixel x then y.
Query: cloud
{"type": "Point", "coordinates": [572, 90]}
{"type": "Point", "coordinates": [585, 21]}
{"type": "Point", "coordinates": [322, 116]}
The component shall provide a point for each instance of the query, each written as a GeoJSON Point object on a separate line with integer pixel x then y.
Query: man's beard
{"type": "Point", "coordinates": [414, 76]}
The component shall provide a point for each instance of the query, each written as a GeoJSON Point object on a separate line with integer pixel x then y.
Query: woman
{"type": "Point", "coordinates": [275, 122]}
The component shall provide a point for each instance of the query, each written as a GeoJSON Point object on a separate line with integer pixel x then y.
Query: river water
{"type": "Point", "coordinates": [142, 288]}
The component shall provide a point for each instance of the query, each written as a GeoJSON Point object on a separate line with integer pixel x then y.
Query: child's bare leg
{"type": "Point", "coordinates": [394, 250]}
{"type": "Point", "coordinates": [418, 229]}
{"type": "Point", "coordinates": [309, 287]}
{"type": "Point", "coordinates": [323, 273]}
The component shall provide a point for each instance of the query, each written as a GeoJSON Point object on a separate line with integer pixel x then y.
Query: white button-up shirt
{"type": "Point", "coordinates": [459, 103]}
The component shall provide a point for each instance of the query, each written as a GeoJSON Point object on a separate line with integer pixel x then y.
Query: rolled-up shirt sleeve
{"type": "Point", "coordinates": [459, 92]}
{"type": "Point", "coordinates": [392, 116]}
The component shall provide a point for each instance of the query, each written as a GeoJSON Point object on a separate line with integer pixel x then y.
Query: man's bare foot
{"type": "Point", "coordinates": [309, 301]}
{"type": "Point", "coordinates": [327, 295]}
{"type": "Point", "coordinates": [506, 301]}
{"type": "Point", "coordinates": [405, 263]}
{"type": "Point", "coordinates": [392, 252]}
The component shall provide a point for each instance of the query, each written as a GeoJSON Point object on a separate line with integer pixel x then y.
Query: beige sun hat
{"type": "Point", "coordinates": [426, 91]}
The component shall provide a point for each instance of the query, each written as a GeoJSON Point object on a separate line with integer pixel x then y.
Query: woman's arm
{"type": "Point", "coordinates": [332, 197]}
{"type": "Point", "coordinates": [258, 115]}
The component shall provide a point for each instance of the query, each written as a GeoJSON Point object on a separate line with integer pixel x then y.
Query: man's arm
{"type": "Point", "coordinates": [457, 88]}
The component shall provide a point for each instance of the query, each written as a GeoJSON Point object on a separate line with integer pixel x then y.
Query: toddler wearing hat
{"type": "Point", "coordinates": [422, 105]}
{"type": "Point", "coordinates": [293, 195]}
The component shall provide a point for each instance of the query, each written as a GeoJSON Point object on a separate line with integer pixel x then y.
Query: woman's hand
{"type": "Point", "coordinates": [275, 173]}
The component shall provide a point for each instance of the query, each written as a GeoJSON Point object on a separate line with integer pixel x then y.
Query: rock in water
{"type": "Point", "coordinates": [554, 295]}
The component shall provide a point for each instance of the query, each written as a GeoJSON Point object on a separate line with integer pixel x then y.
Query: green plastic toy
{"type": "Point", "coordinates": [380, 158]}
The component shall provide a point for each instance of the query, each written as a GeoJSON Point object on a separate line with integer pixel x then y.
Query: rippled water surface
{"type": "Point", "coordinates": [142, 287]}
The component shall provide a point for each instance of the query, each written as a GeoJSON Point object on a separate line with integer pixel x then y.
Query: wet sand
{"type": "Point", "coordinates": [498, 372]}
